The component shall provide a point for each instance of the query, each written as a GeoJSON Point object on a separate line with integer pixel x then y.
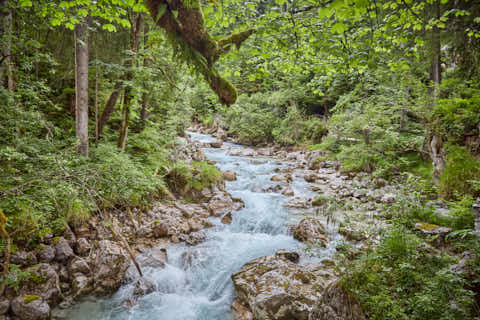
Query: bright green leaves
{"type": "Point", "coordinates": [25, 3]}
{"type": "Point", "coordinates": [110, 13]}
{"type": "Point", "coordinates": [339, 28]}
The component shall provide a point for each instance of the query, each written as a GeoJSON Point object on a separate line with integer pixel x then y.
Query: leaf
{"type": "Point", "coordinates": [339, 28]}
{"type": "Point", "coordinates": [161, 11]}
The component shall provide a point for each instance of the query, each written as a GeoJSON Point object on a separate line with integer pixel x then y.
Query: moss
{"type": "Point", "coordinates": [427, 226]}
{"type": "Point", "coordinates": [28, 299]}
{"type": "Point", "coordinates": [189, 35]}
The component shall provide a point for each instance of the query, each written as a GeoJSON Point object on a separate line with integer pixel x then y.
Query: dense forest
{"type": "Point", "coordinates": [97, 99]}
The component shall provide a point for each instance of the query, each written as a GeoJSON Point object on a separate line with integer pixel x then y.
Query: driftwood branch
{"type": "Point", "coordinates": [117, 234]}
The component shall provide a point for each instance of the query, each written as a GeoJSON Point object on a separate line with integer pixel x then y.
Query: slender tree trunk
{"type": "Point", "coordinates": [8, 32]}
{"type": "Point", "coordinates": [81, 86]}
{"type": "Point", "coordinates": [436, 142]}
{"type": "Point", "coordinates": [143, 110]}
{"type": "Point", "coordinates": [96, 94]}
{"type": "Point", "coordinates": [122, 141]}
{"type": "Point", "coordinates": [109, 107]}
{"type": "Point", "coordinates": [134, 45]}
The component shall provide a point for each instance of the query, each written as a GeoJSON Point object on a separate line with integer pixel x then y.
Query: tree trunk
{"type": "Point", "coordinates": [134, 45]}
{"type": "Point", "coordinates": [8, 51]}
{"type": "Point", "coordinates": [436, 143]}
{"type": "Point", "coordinates": [109, 107]}
{"type": "Point", "coordinates": [81, 86]}
{"type": "Point", "coordinates": [143, 110]}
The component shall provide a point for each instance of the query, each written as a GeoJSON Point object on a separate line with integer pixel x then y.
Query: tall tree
{"type": "Point", "coordinates": [134, 45]}
{"type": "Point", "coordinates": [81, 86]}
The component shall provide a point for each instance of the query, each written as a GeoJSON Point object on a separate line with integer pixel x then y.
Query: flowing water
{"type": "Point", "coordinates": [202, 289]}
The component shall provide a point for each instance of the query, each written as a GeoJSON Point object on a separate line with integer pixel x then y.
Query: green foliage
{"type": "Point", "coordinates": [454, 118]}
{"type": "Point", "coordinates": [377, 127]}
{"type": "Point", "coordinates": [182, 177]}
{"type": "Point", "coordinates": [461, 173]}
{"type": "Point", "coordinates": [402, 280]}
{"type": "Point", "coordinates": [16, 277]}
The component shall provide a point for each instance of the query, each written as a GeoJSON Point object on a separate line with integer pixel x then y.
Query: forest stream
{"type": "Point", "coordinates": [196, 282]}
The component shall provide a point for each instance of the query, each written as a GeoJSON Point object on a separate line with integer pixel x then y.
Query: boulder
{"type": "Point", "coordinates": [82, 247]}
{"type": "Point", "coordinates": [230, 175]}
{"type": "Point", "coordinates": [438, 233]}
{"type": "Point", "coordinates": [44, 283]}
{"type": "Point", "coordinates": [78, 265]}
{"type": "Point", "coordinates": [221, 134]}
{"type": "Point", "coordinates": [216, 144]}
{"type": "Point", "coordinates": [196, 238]}
{"type": "Point", "coordinates": [281, 178]}
{"type": "Point", "coordinates": [227, 219]}
{"type": "Point", "coordinates": [249, 153]}
{"type": "Point", "coordinates": [29, 307]}
{"type": "Point", "coordinates": [81, 285]}
{"type": "Point", "coordinates": [220, 204]}
{"type": "Point", "coordinates": [46, 254]}
{"type": "Point", "coordinates": [310, 177]}
{"type": "Point", "coordinates": [160, 229]}
{"type": "Point", "coordinates": [336, 304]}
{"type": "Point", "coordinates": [311, 231]}
{"type": "Point", "coordinates": [297, 202]}
{"type": "Point", "coordinates": [23, 258]}
{"type": "Point", "coordinates": [63, 251]}
{"type": "Point", "coordinates": [388, 198]}
{"type": "Point", "coordinates": [143, 287]}
{"type": "Point", "coordinates": [110, 264]}
{"type": "Point", "coordinates": [351, 234]}
{"type": "Point", "coordinates": [274, 287]}
{"type": "Point", "coordinates": [266, 152]}
{"type": "Point", "coordinates": [240, 311]}
{"type": "Point", "coordinates": [288, 192]}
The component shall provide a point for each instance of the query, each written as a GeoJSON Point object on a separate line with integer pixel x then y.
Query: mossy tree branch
{"type": "Point", "coordinates": [184, 23]}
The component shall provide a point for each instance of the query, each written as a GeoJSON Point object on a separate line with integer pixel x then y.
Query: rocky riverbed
{"type": "Point", "coordinates": [259, 246]}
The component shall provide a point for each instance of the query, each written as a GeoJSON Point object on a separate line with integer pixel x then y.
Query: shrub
{"type": "Point", "coordinates": [461, 173]}
{"type": "Point", "coordinates": [403, 281]}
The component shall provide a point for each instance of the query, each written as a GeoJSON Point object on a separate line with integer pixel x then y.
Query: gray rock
{"type": "Point", "coordinates": [311, 231]}
{"type": "Point", "coordinates": [46, 254]}
{"type": "Point", "coordinates": [160, 229]}
{"type": "Point", "coordinates": [274, 287]}
{"type": "Point", "coordinates": [281, 178]}
{"type": "Point", "coordinates": [288, 192]}
{"type": "Point", "coordinates": [4, 306]}
{"type": "Point", "coordinates": [110, 264]}
{"type": "Point", "coordinates": [45, 283]}
{"type": "Point", "coordinates": [82, 247]}
{"type": "Point", "coordinates": [230, 175]}
{"type": "Point", "coordinates": [23, 258]}
{"type": "Point", "coordinates": [196, 238]}
{"type": "Point", "coordinates": [143, 287]}
{"type": "Point", "coordinates": [30, 308]}
{"type": "Point", "coordinates": [81, 285]}
{"type": "Point", "coordinates": [220, 204]}
{"type": "Point", "coordinates": [227, 219]}
{"type": "Point", "coordinates": [63, 251]}
{"type": "Point", "coordinates": [78, 265]}
{"type": "Point", "coordinates": [336, 304]}
{"type": "Point", "coordinates": [388, 198]}
{"type": "Point", "coordinates": [216, 144]}
{"type": "Point", "coordinates": [297, 202]}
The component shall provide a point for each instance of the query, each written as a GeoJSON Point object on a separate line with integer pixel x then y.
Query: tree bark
{"type": "Point", "coordinates": [436, 142]}
{"type": "Point", "coordinates": [143, 110]}
{"type": "Point", "coordinates": [81, 86]}
{"type": "Point", "coordinates": [8, 51]}
{"type": "Point", "coordinates": [109, 107]}
{"type": "Point", "coordinates": [134, 45]}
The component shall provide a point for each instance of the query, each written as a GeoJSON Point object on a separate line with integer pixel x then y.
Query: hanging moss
{"type": "Point", "coordinates": [184, 23]}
